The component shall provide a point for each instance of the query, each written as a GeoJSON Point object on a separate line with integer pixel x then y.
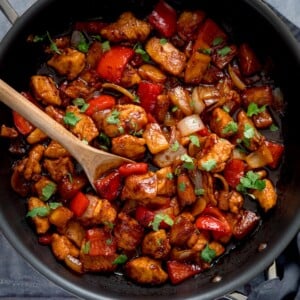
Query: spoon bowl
{"type": "Point", "coordinates": [94, 162]}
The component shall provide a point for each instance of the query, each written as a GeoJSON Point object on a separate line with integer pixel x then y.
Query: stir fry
{"type": "Point", "coordinates": [192, 109]}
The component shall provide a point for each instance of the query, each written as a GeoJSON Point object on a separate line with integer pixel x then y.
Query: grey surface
{"type": "Point", "coordinates": [18, 280]}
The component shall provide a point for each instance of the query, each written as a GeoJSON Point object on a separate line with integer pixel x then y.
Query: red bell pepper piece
{"type": "Point", "coordinates": [98, 245]}
{"type": "Point", "coordinates": [22, 125]}
{"type": "Point", "coordinates": [212, 219]}
{"type": "Point", "coordinates": [144, 215]}
{"type": "Point", "coordinates": [163, 18]}
{"type": "Point", "coordinates": [180, 271]}
{"type": "Point", "coordinates": [234, 170]}
{"type": "Point", "coordinates": [113, 62]}
{"type": "Point", "coordinates": [148, 93]}
{"type": "Point", "coordinates": [204, 132]}
{"type": "Point", "coordinates": [134, 168]}
{"type": "Point", "coordinates": [109, 186]}
{"type": "Point", "coordinates": [99, 103]}
{"type": "Point", "coordinates": [79, 204]}
{"type": "Point", "coordinates": [276, 150]}
{"type": "Point", "coordinates": [207, 34]}
{"type": "Point", "coordinates": [248, 61]}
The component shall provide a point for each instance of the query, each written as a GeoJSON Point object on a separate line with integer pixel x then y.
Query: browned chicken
{"type": "Point", "coordinates": [128, 232]}
{"type": "Point", "coordinates": [146, 270]}
{"type": "Point", "coordinates": [156, 244]}
{"type": "Point", "coordinates": [69, 62]}
{"type": "Point", "coordinates": [214, 154]}
{"type": "Point", "coordinates": [62, 246]}
{"type": "Point", "coordinates": [141, 188]}
{"type": "Point", "coordinates": [59, 168]}
{"type": "Point", "coordinates": [126, 28]}
{"type": "Point", "coordinates": [45, 89]}
{"type": "Point", "coordinates": [166, 55]}
{"type": "Point", "coordinates": [129, 146]}
{"type": "Point", "coordinates": [124, 118]}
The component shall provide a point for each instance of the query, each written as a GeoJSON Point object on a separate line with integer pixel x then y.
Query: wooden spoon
{"type": "Point", "coordinates": [94, 161]}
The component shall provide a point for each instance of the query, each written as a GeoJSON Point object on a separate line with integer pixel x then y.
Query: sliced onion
{"type": "Point", "coordinates": [235, 79]}
{"type": "Point", "coordinates": [118, 88]}
{"type": "Point", "coordinates": [190, 124]}
{"type": "Point", "coordinates": [198, 103]}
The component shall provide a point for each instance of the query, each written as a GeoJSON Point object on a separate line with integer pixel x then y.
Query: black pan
{"type": "Point", "coordinates": [249, 20]}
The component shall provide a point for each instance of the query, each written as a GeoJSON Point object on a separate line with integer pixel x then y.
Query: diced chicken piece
{"type": "Point", "coordinates": [232, 201]}
{"type": "Point", "coordinates": [77, 88]}
{"type": "Point", "coordinates": [222, 57]}
{"type": "Point", "coordinates": [18, 183]}
{"type": "Point", "coordinates": [140, 187]}
{"type": "Point", "coordinates": [188, 23]}
{"type": "Point", "coordinates": [246, 223]}
{"type": "Point", "coordinates": [155, 139]}
{"type": "Point", "coordinates": [60, 216]}
{"type": "Point", "coordinates": [8, 132]}
{"type": "Point", "coordinates": [59, 168]}
{"type": "Point", "coordinates": [161, 108]}
{"type": "Point", "coordinates": [44, 89]}
{"type": "Point", "coordinates": [32, 165]}
{"type": "Point", "coordinates": [128, 232]}
{"type": "Point", "coordinates": [196, 67]}
{"type": "Point", "coordinates": [129, 146]}
{"type": "Point", "coordinates": [247, 133]}
{"type": "Point", "coordinates": [62, 246]}
{"type": "Point", "coordinates": [185, 190]}
{"type": "Point", "coordinates": [198, 241]}
{"type": "Point", "coordinates": [260, 95]}
{"type": "Point", "coordinates": [156, 244]}
{"type": "Point", "coordinates": [130, 77]}
{"type": "Point", "coordinates": [42, 183]}
{"type": "Point", "coordinates": [55, 150]}
{"type": "Point", "coordinates": [124, 118]}
{"type": "Point", "coordinates": [85, 129]}
{"type": "Point", "coordinates": [222, 123]}
{"type": "Point", "coordinates": [93, 55]}
{"type": "Point", "coordinates": [42, 224]}
{"type": "Point", "coordinates": [99, 211]}
{"type": "Point", "coordinates": [75, 232]}
{"type": "Point", "coordinates": [151, 73]}
{"type": "Point", "coordinates": [217, 247]}
{"type": "Point", "coordinates": [146, 270]}
{"type": "Point", "coordinates": [166, 55]}
{"type": "Point", "coordinates": [69, 62]}
{"type": "Point", "coordinates": [267, 197]}
{"type": "Point", "coordinates": [55, 113]}
{"type": "Point", "coordinates": [99, 263]}
{"type": "Point", "coordinates": [214, 154]}
{"type": "Point", "coordinates": [165, 183]}
{"type": "Point", "coordinates": [262, 120]}
{"type": "Point", "coordinates": [260, 157]}
{"type": "Point", "coordinates": [181, 231]}
{"type": "Point", "coordinates": [126, 28]}
{"type": "Point", "coordinates": [182, 99]}
{"type": "Point", "coordinates": [36, 136]}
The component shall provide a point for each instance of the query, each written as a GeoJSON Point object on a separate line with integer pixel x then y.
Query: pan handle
{"type": "Point", "coordinates": [9, 11]}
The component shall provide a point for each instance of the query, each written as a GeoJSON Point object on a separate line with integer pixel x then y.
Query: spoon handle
{"type": "Point", "coordinates": [38, 118]}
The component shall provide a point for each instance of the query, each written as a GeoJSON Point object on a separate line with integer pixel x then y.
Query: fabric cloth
{"type": "Point", "coordinates": [18, 280]}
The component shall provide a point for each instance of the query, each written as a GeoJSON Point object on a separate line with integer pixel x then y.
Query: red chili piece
{"type": "Point", "coordinates": [100, 103]}
{"type": "Point", "coordinates": [134, 168]}
{"type": "Point", "coordinates": [79, 204]}
{"type": "Point", "coordinates": [234, 171]}
{"type": "Point", "coordinates": [180, 271]}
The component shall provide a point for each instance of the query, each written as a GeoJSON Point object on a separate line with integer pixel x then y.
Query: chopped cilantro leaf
{"type": "Point", "coordinates": [161, 217]}
{"type": "Point", "coordinates": [273, 127]}
{"type": "Point", "coordinates": [217, 41]}
{"type": "Point", "coordinates": [199, 192]}
{"type": "Point", "coordinates": [170, 176]}
{"type": "Point", "coordinates": [41, 211]}
{"type": "Point", "coordinates": [181, 186]}
{"type": "Point", "coordinates": [83, 45]}
{"type": "Point", "coordinates": [53, 46]}
{"type": "Point", "coordinates": [188, 161]}
{"type": "Point", "coordinates": [163, 41]}
{"type": "Point", "coordinates": [139, 50]}
{"type": "Point", "coordinates": [71, 119]}
{"type": "Point", "coordinates": [113, 118]}
{"type": "Point", "coordinates": [194, 140]}
{"type": "Point", "coordinates": [80, 102]}
{"type": "Point", "coordinates": [86, 247]}
{"type": "Point", "coordinates": [248, 131]}
{"type": "Point", "coordinates": [224, 51]}
{"type": "Point", "coordinates": [231, 127]}
{"type": "Point", "coordinates": [253, 109]}
{"type": "Point", "coordinates": [48, 190]}
{"type": "Point", "coordinates": [208, 254]}
{"type": "Point", "coordinates": [175, 146]}
{"type": "Point", "coordinates": [250, 181]}
{"type": "Point", "coordinates": [105, 46]}
{"type": "Point", "coordinates": [209, 165]}
{"type": "Point", "coordinates": [121, 259]}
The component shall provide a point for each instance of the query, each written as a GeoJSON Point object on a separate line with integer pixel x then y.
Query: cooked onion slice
{"type": "Point", "coordinates": [190, 124]}
{"type": "Point", "coordinates": [198, 103]}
